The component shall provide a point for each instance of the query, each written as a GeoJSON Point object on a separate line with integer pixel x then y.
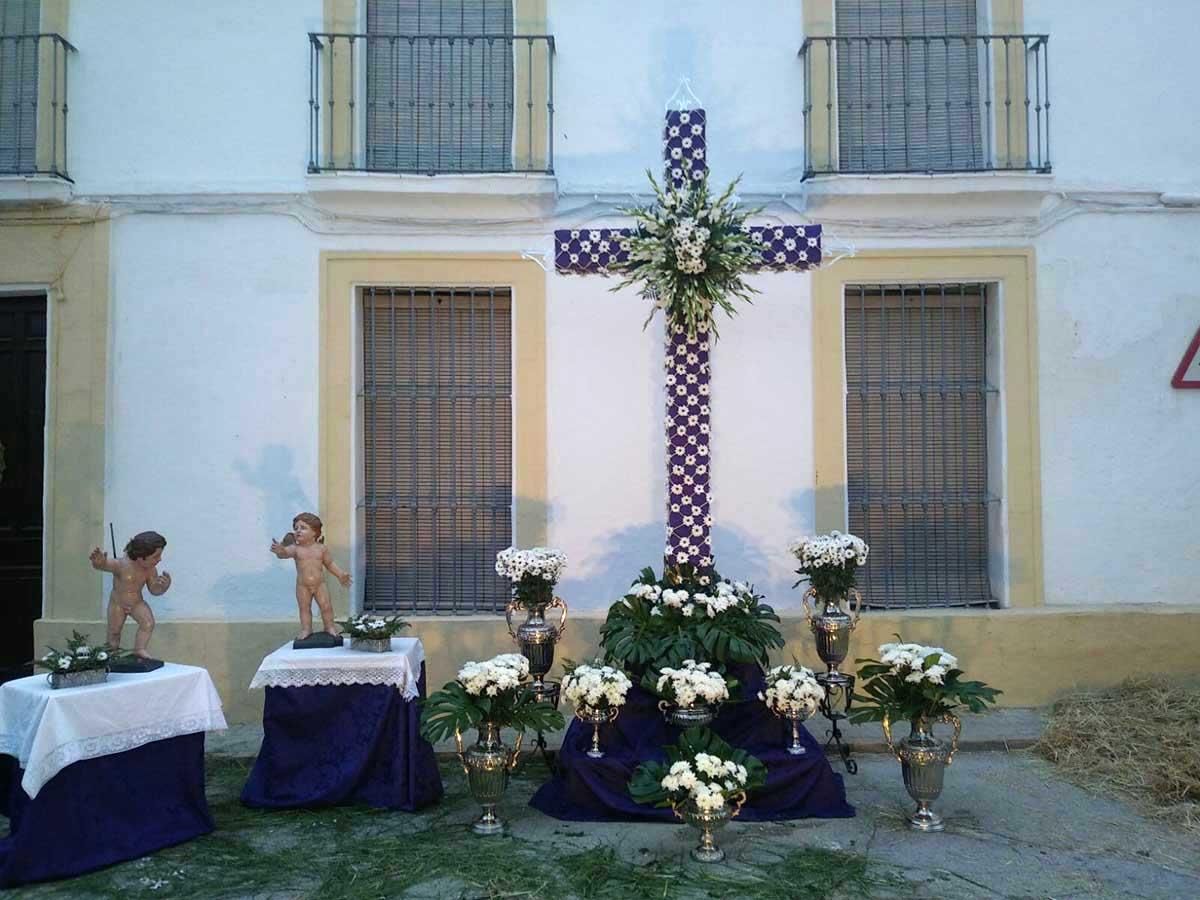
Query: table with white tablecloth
{"type": "Point", "coordinates": [101, 773]}
{"type": "Point", "coordinates": [343, 726]}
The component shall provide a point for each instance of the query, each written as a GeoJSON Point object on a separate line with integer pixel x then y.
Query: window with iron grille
{"type": "Point", "coordinates": [18, 85]}
{"type": "Point", "coordinates": [917, 436]}
{"type": "Point", "coordinates": [437, 447]}
{"type": "Point", "coordinates": [910, 103]}
{"type": "Point", "coordinates": [440, 95]}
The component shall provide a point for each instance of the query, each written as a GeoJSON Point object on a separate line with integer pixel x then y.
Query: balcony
{"type": "Point", "coordinates": [33, 106]}
{"type": "Point", "coordinates": [926, 104]}
{"type": "Point", "coordinates": [431, 104]}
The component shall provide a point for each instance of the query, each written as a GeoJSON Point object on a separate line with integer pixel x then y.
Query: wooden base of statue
{"type": "Point", "coordinates": [136, 665]}
{"type": "Point", "coordinates": [318, 640]}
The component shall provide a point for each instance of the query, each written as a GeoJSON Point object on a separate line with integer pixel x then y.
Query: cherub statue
{"type": "Point", "coordinates": [133, 571]}
{"type": "Point", "coordinates": [306, 546]}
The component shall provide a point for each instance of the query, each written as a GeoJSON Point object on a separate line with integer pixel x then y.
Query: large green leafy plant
{"type": "Point", "coordinates": [688, 614]}
{"type": "Point", "coordinates": [912, 681]}
{"type": "Point", "coordinates": [491, 691]}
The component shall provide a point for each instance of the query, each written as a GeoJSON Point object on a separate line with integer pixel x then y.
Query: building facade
{"type": "Point", "coordinates": [257, 259]}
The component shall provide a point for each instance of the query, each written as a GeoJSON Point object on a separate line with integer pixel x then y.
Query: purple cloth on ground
{"type": "Point", "coordinates": [325, 745]}
{"type": "Point", "coordinates": [596, 790]}
{"type": "Point", "coordinates": [101, 811]}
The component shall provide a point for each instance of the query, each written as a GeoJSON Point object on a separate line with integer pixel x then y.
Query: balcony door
{"type": "Point", "coordinates": [439, 85]}
{"type": "Point", "coordinates": [910, 102]}
{"type": "Point", "coordinates": [18, 85]}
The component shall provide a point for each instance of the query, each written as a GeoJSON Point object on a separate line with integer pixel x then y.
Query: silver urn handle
{"type": "Point", "coordinates": [854, 611]}
{"type": "Point", "coordinates": [808, 610]}
{"type": "Point", "coordinates": [951, 719]}
{"type": "Point", "coordinates": [512, 607]}
{"type": "Point", "coordinates": [514, 758]}
{"type": "Point", "coordinates": [462, 756]}
{"type": "Point", "coordinates": [887, 736]}
{"type": "Point", "coordinates": [561, 605]}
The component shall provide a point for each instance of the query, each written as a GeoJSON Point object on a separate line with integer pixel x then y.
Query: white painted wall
{"type": "Point", "coordinates": [212, 432]}
{"type": "Point", "coordinates": [1118, 304]}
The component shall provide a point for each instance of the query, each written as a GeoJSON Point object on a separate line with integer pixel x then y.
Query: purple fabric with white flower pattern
{"type": "Point", "coordinates": [685, 146]}
{"type": "Point", "coordinates": [688, 518]}
{"type": "Point", "coordinates": [588, 251]}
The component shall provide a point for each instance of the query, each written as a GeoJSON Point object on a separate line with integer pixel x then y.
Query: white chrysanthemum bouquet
{"type": "Point", "coordinates": [372, 627]}
{"type": "Point", "coordinates": [792, 692]}
{"type": "Point", "coordinates": [490, 691]}
{"type": "Point", "coordinates": [533, 572]}
{"type": "Point", "coordinates": [692, 684]}
{"type": "Point", "coordinates": [596, 687]}
{"type": "Point", "coordinates": [829, 562]}
{"type": "Point", "coordinates": [705, 603]}
{"type": "Point", "coordinates": [913, 681]}
{"type": "Point", "coordinates": [701, 770]}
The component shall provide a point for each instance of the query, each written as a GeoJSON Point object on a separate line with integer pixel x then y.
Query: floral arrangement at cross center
{"type": "Point", "coordinates": [80, 656]}
{"type": "Point", "coordinates": [689, 252]}
{"type": "Point", "coordinates": [829, 562]}
{"type": "Point", "coordinates": [491, 692]}
{"type": "Point", "coordinates": [372, 627]}
{"type": "Point", "coordinates": [533, 572]}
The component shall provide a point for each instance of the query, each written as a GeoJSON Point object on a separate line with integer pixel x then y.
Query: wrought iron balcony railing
{"type": "Point", "coordinates": [926, 104]}
{"type": "Point", "coordinates": [431, 103]}
{"type": "Point", "coordinates": [33, 104]}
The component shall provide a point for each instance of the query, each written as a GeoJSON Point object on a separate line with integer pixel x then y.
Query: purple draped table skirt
{"type": "Point", "coordinates": [101, 811]}
{"type": "Point", "coordinates": [325, 745]}
{"type": "Point", "coordinates": [596, 790]}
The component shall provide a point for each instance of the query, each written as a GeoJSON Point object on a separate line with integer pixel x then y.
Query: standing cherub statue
{"type": "Point", "coordinates": [306, 546]}
{"type": "Point", "coordinates": [133, 571]}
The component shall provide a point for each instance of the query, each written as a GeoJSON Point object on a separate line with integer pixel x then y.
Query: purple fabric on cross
{"type": "Point", "coordinates": [685, 146]}
{"type": "Point", "coordinates": [688, 465]}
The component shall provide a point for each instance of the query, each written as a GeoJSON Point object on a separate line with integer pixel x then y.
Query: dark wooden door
{"type": "Point", "coordinates": [22, 434]}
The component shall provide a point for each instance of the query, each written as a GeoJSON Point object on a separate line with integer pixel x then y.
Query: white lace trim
{"type": "Point", "coordinates": [397, 678]}
{"type": "Point", "coordinates": [41, 770]}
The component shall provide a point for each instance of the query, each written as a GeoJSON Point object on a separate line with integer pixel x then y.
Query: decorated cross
{"type": "Point", "coordinates": [606, 250]}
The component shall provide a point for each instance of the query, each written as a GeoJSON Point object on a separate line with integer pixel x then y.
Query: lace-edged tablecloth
{"type": "Point", "coordinates": [399, 668]}
{"type": "Point", "coordinates": [48, 730]}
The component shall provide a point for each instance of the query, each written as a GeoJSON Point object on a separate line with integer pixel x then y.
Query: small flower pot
{"type": "Point", "coordinates": [77, 679]}
{"type": "Point", "coordinates": [371, 645]}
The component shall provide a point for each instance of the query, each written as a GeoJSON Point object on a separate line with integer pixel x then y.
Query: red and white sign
{"type": "Point", "coordinates": [1188, 373]}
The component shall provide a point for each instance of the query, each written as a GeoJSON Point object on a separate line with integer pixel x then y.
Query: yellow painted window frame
{"type": "Point", "coordinates": [342, 274]}
{"type": "Point", "coordinates": [1013, 270]}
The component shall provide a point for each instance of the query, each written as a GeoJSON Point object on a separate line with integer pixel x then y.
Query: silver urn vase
{"type": "Point", "coordinates": [923, 759]}
{"type": "Point", "coordinates": [536, 638]}
{"type": "Point", "coordinates": [832, 626]}
{"type": "Point", "coordinates": [596, 718]}
{"type": "Point", "coordinates": [709, 822]}
{"type": "Point", "coordinates": [77, 679]}
{"type": "Point", "coordinates": [487, 764]}
{"type": "Point", "coordinates": [687, 716]}
{"type": "Point", "coordinates": [795, 748]}
{"type": "Point", "coordinates": [371, 645]}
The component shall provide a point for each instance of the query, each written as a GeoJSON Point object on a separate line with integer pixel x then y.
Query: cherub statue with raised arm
{"type": "Point", "coordinates": [138, 568]}
{"type": "Point", "coordinates": [306, 546]}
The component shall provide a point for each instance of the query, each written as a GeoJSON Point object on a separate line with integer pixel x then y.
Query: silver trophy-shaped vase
{"type": "Point", "coordinates": [832, 625]}
{"type": "Point", "coordinates": [487, 764]}
{"type": "Point", "coordinates": [596, 717]}
{"type": "Point", "coordinates": [687, 716]}
{"type": "Point", "coordinates": [536, 637]}
{"type": "Point", "coordinates": [923, 760]}
{"type": "Point", "coordinates": [708, 822]}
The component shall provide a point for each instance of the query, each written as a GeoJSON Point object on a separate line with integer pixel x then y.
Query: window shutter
{"type": "Point", "coordinates": [437, 455]}
{"type": "Point", "coordinates": [437, 104]}
{"type": "Point", "coordinates": [19, 86]}
{"type": "Point", "coordinates": [916, 441]}
{"type": "Point", "coordinates": [892, 96]}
